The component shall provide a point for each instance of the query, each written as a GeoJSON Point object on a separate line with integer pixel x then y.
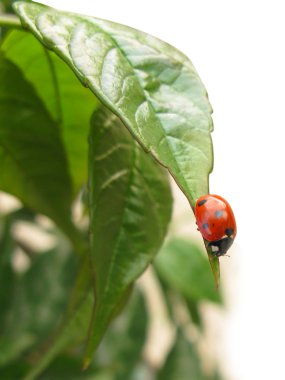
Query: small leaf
{"type": "Point", "coordinates": [182, 362]}
{"type": "Point", "coordinates": [68, 102]}
{"type": "Point", "coordinates": [215, 265]}
{"type": "Point", "coordinates": [150, 85]}
{"type": "Point", "coordinates": [196, 317]}
{"type": "Point", "coordinates": [184, 267]}
{"type": "Point", "coordinates": [33, 164]}
{"type": "Point", "coordinates": [130, 207]}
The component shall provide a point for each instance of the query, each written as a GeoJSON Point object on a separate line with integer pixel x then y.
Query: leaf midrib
{"type": "Point", "coordinates": [70, 61]}
{"type": "Point", "coordinates": [106, 100]}
{"type": "Point", "coordinates": [147, 98]}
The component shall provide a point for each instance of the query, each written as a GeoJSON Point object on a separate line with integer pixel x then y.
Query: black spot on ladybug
{"type": "Point", "coordinates": [203, 201]}
{"type": "Point", "coordinates": [229, 231]}
{"type": "Point", "coordinates": [205, 226]}
{"type": "Point", "coordinates": [218, 213]}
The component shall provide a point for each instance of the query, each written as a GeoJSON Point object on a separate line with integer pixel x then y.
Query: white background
{"type": "Point", "coordinates": [238, 49]}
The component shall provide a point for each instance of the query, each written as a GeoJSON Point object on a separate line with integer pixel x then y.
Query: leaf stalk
{"type": "Point", "coordinates": [10, 21]}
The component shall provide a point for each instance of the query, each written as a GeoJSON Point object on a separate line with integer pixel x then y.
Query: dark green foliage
{"type": "Point", "coordinates": [151, 116]}
{"type": "Point", "coordinates": [122, 180]}
{"type": "Point", "coordinates": [60, 91]}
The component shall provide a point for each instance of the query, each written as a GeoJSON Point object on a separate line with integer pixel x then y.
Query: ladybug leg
{"type": "Point", "coordinates": [197, 226]}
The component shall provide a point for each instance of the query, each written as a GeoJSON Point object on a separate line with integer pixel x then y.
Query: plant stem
{"type": "Point", "coordinates": [10, 21]}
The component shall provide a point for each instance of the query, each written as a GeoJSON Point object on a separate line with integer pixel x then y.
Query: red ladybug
{"type": "Point", "coordinates": [216, 222]}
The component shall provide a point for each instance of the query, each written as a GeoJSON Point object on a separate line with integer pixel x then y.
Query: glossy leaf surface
{"type": "Point", "coordinates": [149, 84]}
{"type": "Point", "coordinates": [130, 207]}
{"type": "Point", "coordinates": [69, 103]}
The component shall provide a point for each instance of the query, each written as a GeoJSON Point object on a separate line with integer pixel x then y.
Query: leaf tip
{"type": "Point", "coordinates": [215, 266]}
{"type": "Point", "coordinates": [86, 363]}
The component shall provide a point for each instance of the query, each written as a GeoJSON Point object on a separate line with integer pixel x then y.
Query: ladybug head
{"type": "Point", "coordinates": [220, 247]}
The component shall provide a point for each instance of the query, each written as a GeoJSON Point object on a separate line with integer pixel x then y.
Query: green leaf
{"type": "Point", "coordinates": [7, 6]}
{"type": "Point", "coordinates": [33, 164]}
{"type": "Point", "coordinates": [124, 340]}
{"type": "Point", "coordinates": [67, 367]}
{"type": "Point", "coordinates": [182, 363]}
{"type": "Point", "coordinates": [196, 317]}
{"type": "Point", "coordinates": [150, 85]}
{"type": "Point", "coordinates": [130, 207]}
{"type": "Point", "coordinates": [215, 264]}
{"type": "Point", "coordinates": [123, 344]}
{"type": "Point", "coordinates": [15, 370]}
{"type": "Point", "coordinates": [183, 266]}
{"type": "Point", "coordinates": [7, 275]}
{"type": "Point", "coordinates": [68, 102]}
{"type": "Point", "coordinates": [72, 331]}
{"type": "Point", "coordinates": [39, 309]}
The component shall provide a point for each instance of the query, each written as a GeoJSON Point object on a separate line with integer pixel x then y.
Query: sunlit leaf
{"type": "Point", "coordinates": [150, 85]}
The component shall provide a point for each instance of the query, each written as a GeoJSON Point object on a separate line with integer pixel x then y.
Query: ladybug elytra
{"type": "Point", "coordinates": [216, 222]}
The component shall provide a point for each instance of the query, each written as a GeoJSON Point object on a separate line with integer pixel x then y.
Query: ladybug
{"type": "Point", "coordinates": [216, 222]}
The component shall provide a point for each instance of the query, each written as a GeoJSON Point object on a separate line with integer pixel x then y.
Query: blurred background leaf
{"type": "Point", "coordinates": [182, 362]}
{"type": "Point", "coordinates": [123, 344]}
{"type": "Point", "coordinates": [37, 299]}
{"type": "Point", "coordinates": [184, 267]}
